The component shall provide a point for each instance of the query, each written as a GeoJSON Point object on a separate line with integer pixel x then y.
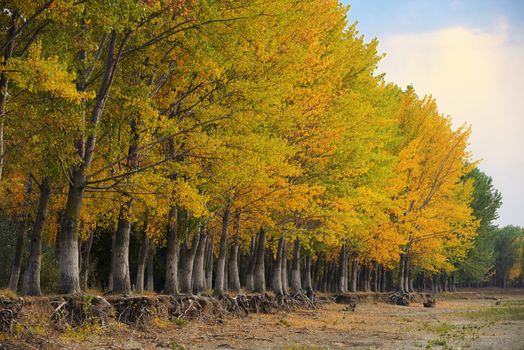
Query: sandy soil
{"type": "Point", "coordinates": [468, 320]}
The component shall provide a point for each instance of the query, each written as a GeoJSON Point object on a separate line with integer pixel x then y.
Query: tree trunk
{"type": "Point", "coordinates": [186, 268]}
{"type": "Point", "coordinates": [283, 269]}
{"type": "Point", "coordinates": [121, 276]}
{"type": "Point", "coordinates": [68, 234]}
{"type": "Point", "coordinates": [113, 239]}
{"type": "Point", "coordinates": [218, 291]}
{"type": "Point", "coordinates": [354, 274]}
{"type": "Point", "coordinates": [20, 240]}
{"type": "Point", "coordinates": [234, 279]}
{"type": "Point", "coordinates": [251, 265]}
{"type": "Point", "coordinates": [374, 285]}
{"type": "Point", "coordinates": [142, 257]}
{"type": "Point", "coordinates": [401, 273]}
{"type": "Point", "coordinates": [84, 273]}
{"type": "Point", "coordinates": [342, 281]}
{"type": "Point", "coordinates": [171, 277]}
{"type": "Point", "coordinates": [31, 284]}
{"type": "Point", "coordinates": [198, 265]}
{"type": "Point", "coordinates": [296, 283]}
{"type": "Point", "coordinates": [233, 276]}
{"type": "Point", "coordinates": [276, 282]}
{"type": "Point", "coordinates": [407, 274]}
{"type": "Point", "coordinates": [259, 276]}
{"type": "Point", "coordinates": [150, 285]}
{"type": "Point", "coordinates": [383, 280]}
{"type": "Point", "coordinates": [209, 262]}
{"type": "Point", "coordinates": [308, 286]}
{"type": "Point", "coordinates": [68, 237]}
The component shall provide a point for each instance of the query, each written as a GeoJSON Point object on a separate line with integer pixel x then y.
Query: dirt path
{"type": "Point", "coordinates": [456, 323]}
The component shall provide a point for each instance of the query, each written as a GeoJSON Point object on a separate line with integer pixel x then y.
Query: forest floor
{"type": "Point", "coordinates": [473, 319]}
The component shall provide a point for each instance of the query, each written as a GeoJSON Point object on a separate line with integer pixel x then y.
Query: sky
{"type": "Point", "coordinates": [469, 55]}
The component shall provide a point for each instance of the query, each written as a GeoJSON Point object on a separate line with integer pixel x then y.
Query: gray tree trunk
{"type": "Point", "coordinates": [276, 282]}
{"type": "Point", "coordinates": [209, 262]}
{"type": "Point", "coordinates": [251, 265]}
{"type": "Point", "coordinates": [342, 283]}
{"type": "Point", "coordinates": [68, 234]}
{"type": "Point", "coordinates": [186, 268]}
{"type": "Point", "coordinates": [121, 276]}
{"type": "Point", "coordinates": [259, 276]}
{"type": "Point", "coordinates": [308, 286]}
{"type": "Point", "coordinates": [296, 282]}
{"type": "Point", "coordinates": [283, 269]}
{"type": "Point", "coordinates": [234, 278]}
{"type": "Point", "coordinates": [401, 274]}
{"type": "Point", "coordinates": [232, 273]}
{"type": "Point", "coordinates": [113, 239]}
{"type": "Point", "coordinates": [21, 233]}
{"type": "Point", "coordinates": [31, 282]}
{"type": "Point", "coordinates": [354, 274]}
{"type": "Point", "coordinates": [141, 266]}
{"type": "Point", "coordinates": [171, 277]}
{"type": "Point", "coordinates": [150, 284]}
{"type": "Point", "coordinates": [198, 277]}
{"type": "Point", "coordinates": [84, 272]}
{"type": "Point", "coordinates": [406, 273]}
{"type": "Point", "coordinates": [220, 281]}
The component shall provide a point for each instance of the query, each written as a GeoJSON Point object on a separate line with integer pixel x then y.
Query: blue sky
{"type": "Point", "coordinates": [378, 17]}
{"type": "Point", "coordinates": [469, 55]}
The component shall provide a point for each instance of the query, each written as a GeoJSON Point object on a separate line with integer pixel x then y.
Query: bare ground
{"type": "Point", "coordinates": [480, 319]}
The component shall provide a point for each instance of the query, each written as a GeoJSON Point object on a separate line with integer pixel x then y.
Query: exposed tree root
{"type": "Point", "coordinates": [10, 312]}
{"type": "Point", "coordinates": [76, 311]}
{"type": "Point", "coordinates": [400, 298]}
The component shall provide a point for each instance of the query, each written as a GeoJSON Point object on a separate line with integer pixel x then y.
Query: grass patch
{"type": "Point", "coordinates": [441, 328]}
{"type": "Point", "coordinates": [498, 313]}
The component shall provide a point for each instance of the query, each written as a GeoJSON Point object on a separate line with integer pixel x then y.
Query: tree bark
{"type": "Point", "coordinates": [401, 274]}
{"type": "Point", "coordinates": [186, 268]}
{"type": "Point", "coordinates": [21, 233]}
{"type": "Point", "coordinates": [84, 272]}
{"type": "Point", "coordinates": [354, 274]}
{"type": "Point", "coordinates": [308, 286]}
{"type": "Point", "coordinates": [218, 291]}
{"type": "Point", "coordinates": [110, 282]}
{"type": "Point", "coordinates": [251, 265]}
{"type": "Point", "coordinates": [171, 277]}
{"type": "Point", "coordinates": [233, 275]}
{"type": "Point", "coordinates": [276, 282]}
{"type": "Point", "coordinates": [209, 262]}
{"type": "Point", "coordinates": [68, 235]}
{"type": "Point", "coordinates": [342, 282]}
{"type": "Point", "coordinates": [296, 282]}
{"type": "Point", "coordinates": [234, 279]}
{"type": "Point", "coordinates": [198, 277]}
{"type": "Point", "coordinates": [406, 273]}
{"type": "Point", "coordinates": [141, 267]}
{"type": "Point", "coordinates": [150, 284]}
{"type": "Point", "coordinates": [374, 286]}
{"type": "Point", "coordinates": [121, 276]}
{"type": "Point", "coordinates": [283, 269]}
{"type": "Point", "coordinates": [31, 282]}
{"type": "Point", "coordinates": [259, 277]}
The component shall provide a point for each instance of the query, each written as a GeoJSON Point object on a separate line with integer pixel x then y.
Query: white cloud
{"type": "Point", "coordinates": [477, 77]}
